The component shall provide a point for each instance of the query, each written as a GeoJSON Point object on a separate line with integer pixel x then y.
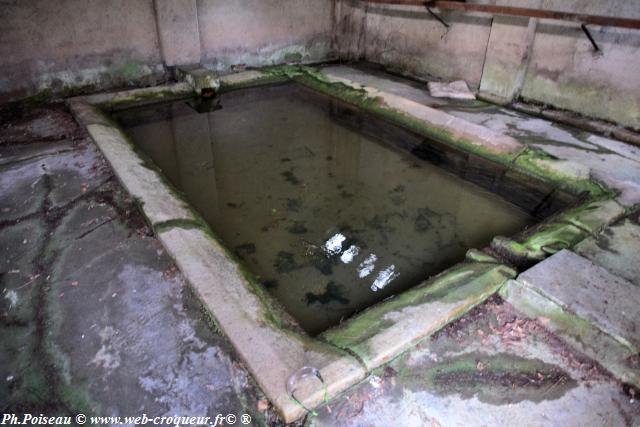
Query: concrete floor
{"type": "Point", "coordinates": [95, 317]}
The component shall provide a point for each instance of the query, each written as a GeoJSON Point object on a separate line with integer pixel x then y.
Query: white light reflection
{"type": "Point", "coordinates": [348, 255]}
{"type": "Point", "coordinates": [366, 267]}
{"type": "Point", "coordinates": [334, 244]}
{"type": "Point", "coordinates": [384, 278]}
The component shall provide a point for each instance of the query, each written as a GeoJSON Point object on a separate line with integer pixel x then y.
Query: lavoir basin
{"type": "Point", "coordinates": [327, 228]}
{"type": "Point", "coordinates": [331, 210]}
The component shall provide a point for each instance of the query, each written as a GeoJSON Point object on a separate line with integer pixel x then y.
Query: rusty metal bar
{"type": "Point", "coordinates": [604, 21]}
{"type": "Point", "coordinates": [590, 37]}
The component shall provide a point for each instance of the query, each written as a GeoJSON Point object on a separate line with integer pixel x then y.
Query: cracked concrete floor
{"type": "Point", "coordinates": [95, 317]}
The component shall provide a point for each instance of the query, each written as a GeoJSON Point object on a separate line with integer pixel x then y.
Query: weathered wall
{"type": "Point", "coordinates": [407, 39]}
{"type": "Point", "coordinates": [96, 44]}
{"type": "Point", "coordinates": [565, 72]}
{"type": "Point", "coordinates": [544, 61]}
{"type": "Point", "coordinates": [264, 32]}
{"type": "Point", "coordinates": [55, 45]}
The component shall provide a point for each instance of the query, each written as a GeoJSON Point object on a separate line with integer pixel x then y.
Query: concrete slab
{"type": "Point", "coordinates": [617, 249]}
{"type": "Point", "coordinates": [383, 331]}
{"type": "Point", "coordinates": [491, 367]}
{"type": "Point", "coordinates": [16, 153]}
{"type": "Point", "coordinates": [508, 51]}
{"type": "Point", "coordinates": [32, 171]}
{"type": "Point", "coordinates": [87, 113]}
{"type": "Point", "coordinates": [91, 304]}
{"type": "Point", "coordinates": [20, 245]}
{"type": "Point", "coordinates": [22, 189]}
{"type": "Point", "coordinates": [590, 292]}
{"type": "Point", "coordinates": [582, 334]}
{"type": "Point", "coordinates": [121, 321]}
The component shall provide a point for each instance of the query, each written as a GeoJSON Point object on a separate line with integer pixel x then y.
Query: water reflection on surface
{"type": "Point", "coordinates": [329, 219]}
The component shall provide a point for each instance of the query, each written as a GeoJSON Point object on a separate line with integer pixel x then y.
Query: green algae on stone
{"type": "Point", "coordinates": [594, 215]}
{"type": "Point", "coordinates": [475, 255]}
{"type": "Point", "coordinates": [535, 162]}
{"type": "Point", "coordinates": [263, 77]}
{"type": "Point", "coordinates": [551, 238]}
{"type": "Point", "coordinates": [130, 70]}
{"type": "Point", "coordinates": [459, 284]}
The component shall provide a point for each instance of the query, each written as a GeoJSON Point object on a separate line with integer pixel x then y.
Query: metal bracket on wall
{"type": "Point", "coordinates": [435, 15]}
{"type": "Point", "coordinates": [590, 37]}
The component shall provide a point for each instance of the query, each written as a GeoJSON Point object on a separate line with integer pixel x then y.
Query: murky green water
{"type": "Point", "coordinates": [330, 219]}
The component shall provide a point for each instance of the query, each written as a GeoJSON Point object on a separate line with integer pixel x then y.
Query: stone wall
{"type": "Point", "coordinates": [544, 61]}
{"type": "Point", "coordinates": [62, 46]}
{"type": "Point", "coordinates": [264, 32]}
{"type": "Point", "coordinates": [65, 46]}
{"type": "Point", "coordinates": [59, 45]}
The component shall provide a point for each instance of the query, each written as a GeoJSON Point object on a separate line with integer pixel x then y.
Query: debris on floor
{"type": "Point", "coordinates": [454, 90]}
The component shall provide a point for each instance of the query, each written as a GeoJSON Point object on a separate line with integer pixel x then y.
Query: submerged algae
{"type": "Point", "coordinates": [496, 379]}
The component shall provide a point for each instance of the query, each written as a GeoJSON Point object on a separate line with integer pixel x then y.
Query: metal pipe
{"type": "Point", "coordinates": [604, 21]}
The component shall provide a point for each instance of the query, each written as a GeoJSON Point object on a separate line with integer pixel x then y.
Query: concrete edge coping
{"type": "Point", "coordinates": [136, 97]}
{"type": "Point", "coordinates": [386, 330]}
{"type": "Point", "coordinates": [594, 215]}
{"type": "Point", "coordinates": [478, 135]}
{"type": "Point", "coordinates": [575, 224]}
{"type": "Point", "coordinates": [158, 201]}
{"type": "Point", "coordinates": [581, 333]}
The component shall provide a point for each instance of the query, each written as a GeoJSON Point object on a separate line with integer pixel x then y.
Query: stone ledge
{"type": "Point", "coordinates": [590, 292]}
{"type": "Point", "coordinates": [137, 97]}
{"type": "Point", "coordinates": [159, 204]}
{"type": "Point", "coordinates": [576, 331]}
{"type": "Point", "coordinates": [251, 78]}
{"type": "Point", "coordinates": [617, 249]}
{"type": "Point", "coordinates": [385, 330]}
{"type": "Point", "coordinates": [481, 137]}
{"type": "Point", "coordinates": [594, 216]}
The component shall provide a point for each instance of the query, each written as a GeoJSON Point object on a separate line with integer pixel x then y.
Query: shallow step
{"type": "Point", "coordinates": [617, 249]}
{"type": "Point", "coordinates": [593, 309]}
